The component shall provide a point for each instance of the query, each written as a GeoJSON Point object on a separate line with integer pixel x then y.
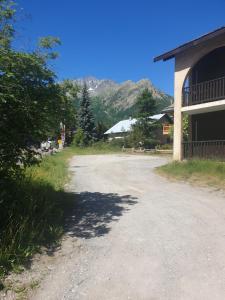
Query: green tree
{"type": "Point", "coordinates": [29, 105]}
{"type": "Point", "coordinates": [69, 107]}
{"type": "Point", "coordinates": [145, 105]}
{"type": "Point", "coordinates": [100, 130]}
{"type": "Point", "coordinates": [143, 131]}
{"type": "Point", "coordinates": [86, 119]}
{"type": "Point", "coordinates": [79, 138]}
{"type": "Point", "coordinates": [30, 100]}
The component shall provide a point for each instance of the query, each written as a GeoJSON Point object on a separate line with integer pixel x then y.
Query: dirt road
{"type": "Point", "coordinates": [135, 235]}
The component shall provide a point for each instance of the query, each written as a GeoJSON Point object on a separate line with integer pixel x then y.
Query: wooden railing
{"type": "Point", "coordinates": [206, 91]}
{"type": "Point", "coordinates": [204, 149]}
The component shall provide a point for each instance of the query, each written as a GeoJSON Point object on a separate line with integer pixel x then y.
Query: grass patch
{"type": "Point", "coordinates": [203, 172]}
{"type": "Point", "coordinates": [33, 208]}
{"type": "Point", "coordinates": [98, 148]}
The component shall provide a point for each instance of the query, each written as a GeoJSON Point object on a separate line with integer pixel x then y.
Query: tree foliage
{"type": "Point", "coordinates": [86, 119]}
{"type": "Point", "coordinates": [32, 104]}
{"type": "Point", "coordinates": [143, 131]}
{"type": "Point", "coordinates": [47, 43]}
{"type": "Point", "coordinates": [145, 105]}
{"type": "Point", "coordinates": [29, 105]}
{"type": "Point", "coordinates": [69, 107]}
{"type": "Point", "coordinates": [7, 13]}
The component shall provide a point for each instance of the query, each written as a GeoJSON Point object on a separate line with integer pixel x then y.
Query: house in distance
{"type": "Point", "coordinates": [124, 127]}
{"type": "Point", "coordinates": [199, 93]}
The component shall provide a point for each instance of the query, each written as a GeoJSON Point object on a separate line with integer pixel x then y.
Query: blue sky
{"type": "Point", "coordinates": [118, 39]}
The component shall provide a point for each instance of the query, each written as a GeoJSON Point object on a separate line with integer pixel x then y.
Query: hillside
{"type": "Point", "coordinates": [113, 101]}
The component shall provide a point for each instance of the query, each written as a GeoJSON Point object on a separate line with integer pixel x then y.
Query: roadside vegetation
{"type": "Point", "coordinates": [201, 172]}
{"type": "Point", "coordinates": [98, 148]}
{"type": "Point", "coordinates": [35, 211]}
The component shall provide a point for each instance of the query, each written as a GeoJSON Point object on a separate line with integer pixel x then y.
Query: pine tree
{"type": "Point", "coordinates": [86, 120]}
{"type": "Point", "coordinates": [143, 133]}
{"type": "Point", "coordinates": [146, 104]}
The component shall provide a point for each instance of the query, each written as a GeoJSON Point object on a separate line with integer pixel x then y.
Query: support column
{"type": "Point", "coordinates": [178, 118]}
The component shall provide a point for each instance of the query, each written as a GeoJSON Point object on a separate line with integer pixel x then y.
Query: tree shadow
{"type": "Point", "coordinates": [41, 215]}
{"type": "Point", "coordinates": [93, 213]}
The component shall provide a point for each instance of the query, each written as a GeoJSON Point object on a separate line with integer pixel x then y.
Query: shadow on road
{"type": "Point", "coordinates": [93, 213]}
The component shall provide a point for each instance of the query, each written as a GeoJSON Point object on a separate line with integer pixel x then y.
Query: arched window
{"type": "Point", "coordinates": [206, 80]}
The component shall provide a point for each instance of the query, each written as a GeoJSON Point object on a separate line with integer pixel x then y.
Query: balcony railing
{"type": "Point", "coordinates": [204, 149]}
{"type": "Point", "coordinates": [206, 91]}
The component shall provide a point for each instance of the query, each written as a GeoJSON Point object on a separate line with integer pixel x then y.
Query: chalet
{"type": "Point", "coordinates": [124, 127]}
{"type": "Point", "coordinates": [199, 92]}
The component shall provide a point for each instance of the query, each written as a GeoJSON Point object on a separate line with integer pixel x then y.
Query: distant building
{"type": "Point", "coordinates": [199, 91]}
{"type": "Point", "coordinates": [124, 127]}
{"type": "Point", "coordinates": [120, 129]}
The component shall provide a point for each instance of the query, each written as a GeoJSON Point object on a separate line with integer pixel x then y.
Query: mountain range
{"type": "Point", "coordinates": [112, 101]}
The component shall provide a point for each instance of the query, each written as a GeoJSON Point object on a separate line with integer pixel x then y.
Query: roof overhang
{"type": "Point", "coordinates": [171, 54]}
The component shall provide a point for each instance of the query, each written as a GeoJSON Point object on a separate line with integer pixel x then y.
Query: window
{"type": "Point", "coordinates": [166, 129]}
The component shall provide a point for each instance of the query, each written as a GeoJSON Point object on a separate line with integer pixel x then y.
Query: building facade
{"type": "Point", "coordinates": [199, 93]}
{"type": "Point", "coordinates": [124, 127]}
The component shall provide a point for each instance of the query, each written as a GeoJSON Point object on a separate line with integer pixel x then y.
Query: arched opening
{"type": "Point", "coordinates": [206, 80]}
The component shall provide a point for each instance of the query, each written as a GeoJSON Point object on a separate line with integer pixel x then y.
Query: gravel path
{"type": "Point", "coordinates": [135, 235]}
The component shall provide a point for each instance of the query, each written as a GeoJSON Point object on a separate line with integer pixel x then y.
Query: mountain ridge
{"type": "Point", "coordinates": [112, 101]}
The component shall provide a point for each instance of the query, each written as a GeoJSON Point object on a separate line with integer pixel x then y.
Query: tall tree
{"type": "Point", "coordinates": [69, 107]}
{"type": "Point", "coordinates": [143, 133]}
{"type": "Point", "coordinates": [146, 104]}
{"type": "Point", "coordinates": [30, 100]}
{"type": "Point", "coordinates": [86, 119]}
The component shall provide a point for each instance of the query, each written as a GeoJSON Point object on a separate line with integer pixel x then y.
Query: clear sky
{"type": "Point", "coordinates": [117, 39]}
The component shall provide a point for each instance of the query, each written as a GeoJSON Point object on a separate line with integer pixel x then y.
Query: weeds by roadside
{"type": "Point", "coordinates": [33, 211]}
{"type": "Point", "coordinates": [203, 172]}
{"type": "Point", "coordinates": [98, 148]}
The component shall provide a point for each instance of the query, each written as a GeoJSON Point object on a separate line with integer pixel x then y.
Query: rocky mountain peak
{"type": "Point", "coordinates": [120, 98]}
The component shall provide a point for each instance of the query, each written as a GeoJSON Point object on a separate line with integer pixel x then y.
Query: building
{"type": "Point", "coordinates": [120, 129]}
{"type": "Point", "coordinates": [123, 128]}
{"type": "Point", "coordinates": [199, 92]}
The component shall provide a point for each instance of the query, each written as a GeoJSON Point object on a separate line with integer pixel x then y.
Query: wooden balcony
{"type": "Point", "coordinates": [204, 149]}
{"type": "Point", "coordinates": [207, 91]}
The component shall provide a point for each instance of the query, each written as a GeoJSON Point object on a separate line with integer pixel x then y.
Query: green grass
{"type": "Point", "coordinates": [203, 172]}
{"type": "Point", "coordinates": [33, 211]}
{"type": "Point", "coordinates": [97, 148]}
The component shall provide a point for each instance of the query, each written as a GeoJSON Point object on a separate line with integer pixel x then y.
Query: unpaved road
{"type": "Point", "coordinates": [135, 235]}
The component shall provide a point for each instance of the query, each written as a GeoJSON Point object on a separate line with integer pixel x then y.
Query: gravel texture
{"type": "Point", "coordinates": [135, 235]}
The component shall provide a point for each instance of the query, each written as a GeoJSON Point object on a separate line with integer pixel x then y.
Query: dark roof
{"type": "Point", "coordinates": [195, 42]}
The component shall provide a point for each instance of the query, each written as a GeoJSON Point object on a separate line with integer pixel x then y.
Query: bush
{"type": "Point", "coordinates": [165, 147]}
{"type": "Point", "coordinates": [79, 138]}
{"type": "Point", "coordinates": [117, 143]}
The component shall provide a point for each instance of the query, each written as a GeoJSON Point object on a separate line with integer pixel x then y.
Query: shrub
{"type": "Point", "coordinates": [165, 147]}
{"type": "Point", "coordinates": [79, 138]}
{"type": "Point", "coordinates": [117, 143]}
